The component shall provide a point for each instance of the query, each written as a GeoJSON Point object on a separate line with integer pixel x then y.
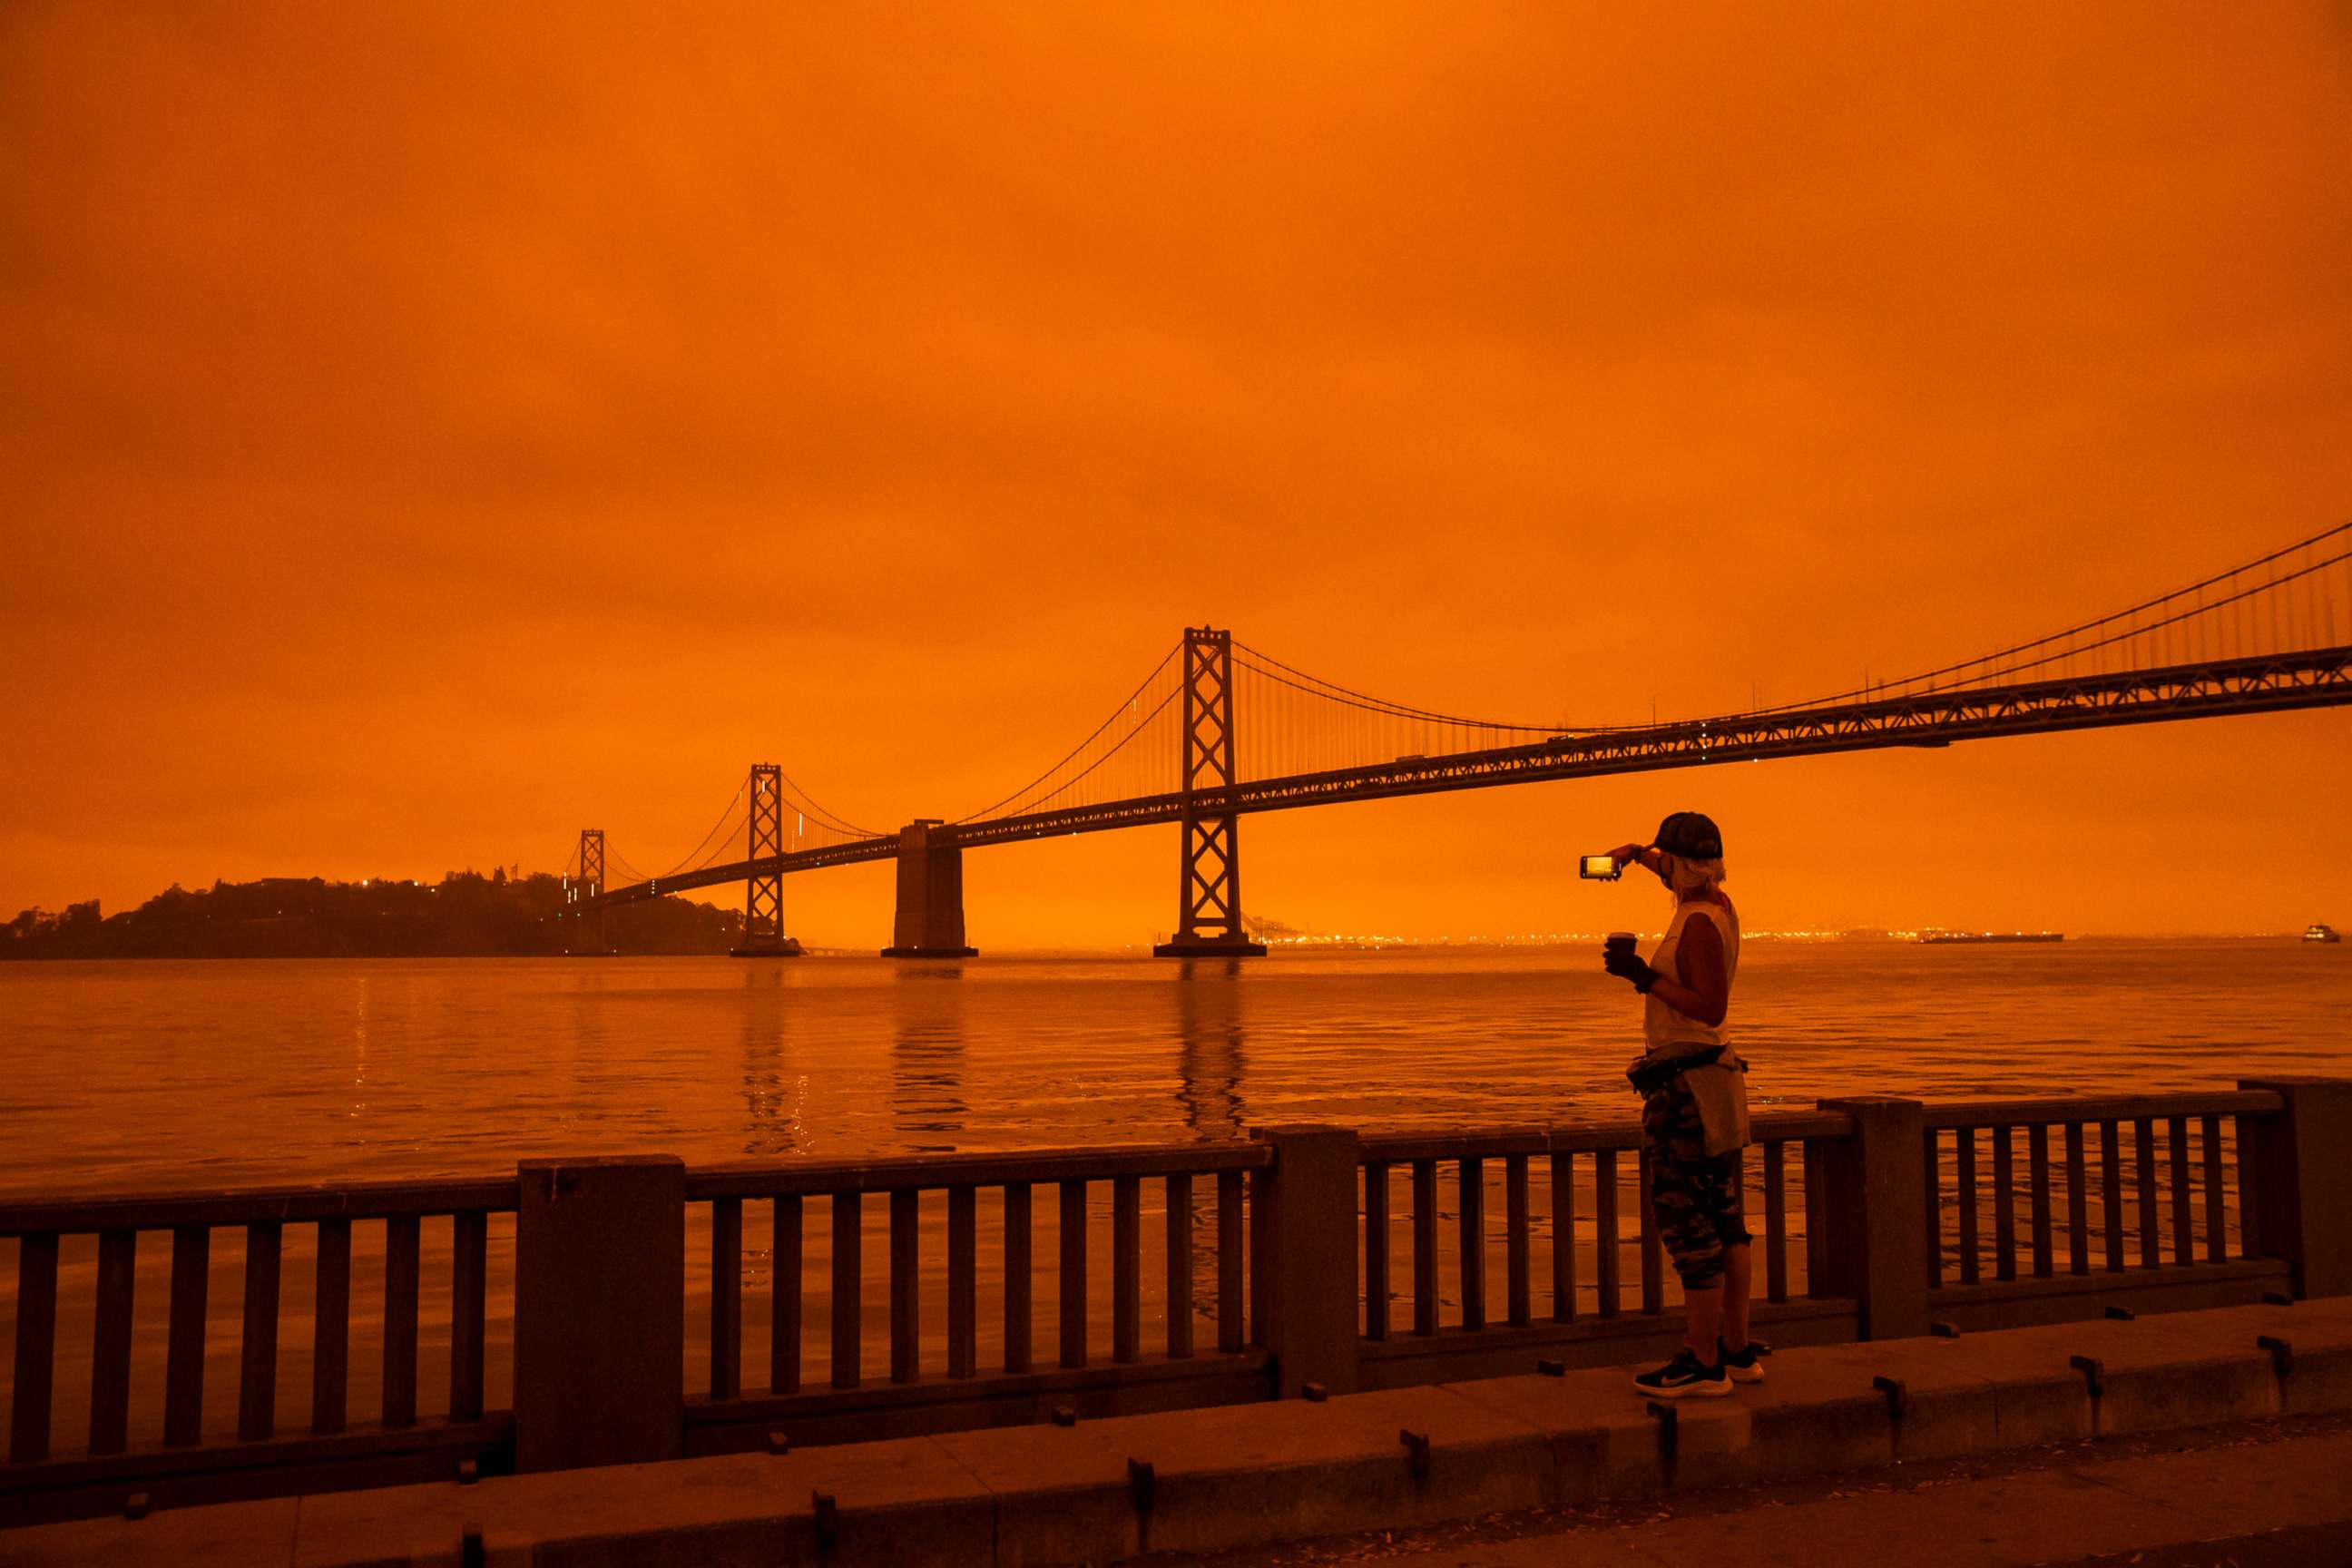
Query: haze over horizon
{"type": "Point", "coordinates": [431, 432]}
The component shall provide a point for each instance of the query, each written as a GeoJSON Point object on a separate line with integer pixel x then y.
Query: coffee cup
{"type": "Point", "coordinates": [1618, 942]}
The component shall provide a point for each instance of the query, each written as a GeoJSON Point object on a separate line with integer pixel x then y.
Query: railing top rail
{"type": "Point", "coordinates": [771, 1178]}
{"type": "Point", "coordinates": [2103, 1108]}
{"type": "Point", "coordinates": [1574, 1137]}
{"type": "Point", "coordinates": [250, 1205]}
{"type": "Point", "coordinates": [777, 1178]}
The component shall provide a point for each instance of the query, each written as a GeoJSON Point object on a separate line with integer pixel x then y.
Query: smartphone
{"type": "Point", "coordinates": [1599, 869]}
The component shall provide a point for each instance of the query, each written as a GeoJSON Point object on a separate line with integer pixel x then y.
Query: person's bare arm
{"type": "Point", "coordinates": [1707, 997]}
{"type": "Point", "coordinates": [1634, 855]}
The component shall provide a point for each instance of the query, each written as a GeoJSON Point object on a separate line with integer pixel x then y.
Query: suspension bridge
{"type": "Point", "coordinates": [1220, 730]}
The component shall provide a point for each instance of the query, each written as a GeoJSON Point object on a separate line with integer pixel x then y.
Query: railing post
{"type": "Point", "coordinates": [1875, 1185]}
{"type": "Point", "coordinates": [600, 1312]}
{"type": "Point", "coordinates": [2294, 1181]}
{"type": "Point", "coordinates": [1304, 1226]}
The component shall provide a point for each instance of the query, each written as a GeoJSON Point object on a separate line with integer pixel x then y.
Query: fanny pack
{"type": "Point", "coordinates": [1648, 1078]}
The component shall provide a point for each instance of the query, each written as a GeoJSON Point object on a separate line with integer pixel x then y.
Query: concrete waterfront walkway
{"type": "Point", "coordinates": [2252, 1494]}
{"type": "Point", "coordinates": [1532, 1449]}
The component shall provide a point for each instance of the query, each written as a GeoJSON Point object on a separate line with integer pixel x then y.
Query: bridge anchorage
{"type": "Point", "coordinates": [763, 888]}
{"type": "Point", "coordinates": [929, 921]}
{"type": "Point", "coordinates": [583, 923]}
{"type": "Point", "coordinates": [1209, 854]}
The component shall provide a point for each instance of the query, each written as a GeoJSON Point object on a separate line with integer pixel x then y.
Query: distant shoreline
{"type": "Point", "coordinates": [10, 953]}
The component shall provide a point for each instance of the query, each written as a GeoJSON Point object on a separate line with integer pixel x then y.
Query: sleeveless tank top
{"type": "Point", "coordinates": [1661, 1025]}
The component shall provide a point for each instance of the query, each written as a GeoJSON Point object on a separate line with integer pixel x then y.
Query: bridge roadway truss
{"type": "Point", "coordinates": [2261, 684]}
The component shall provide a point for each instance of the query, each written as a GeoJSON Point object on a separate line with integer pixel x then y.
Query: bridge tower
{"type": "Point", "coordinates": [584, 931]}
{"type": "Point", "coordinates": [1209, 862]}
{"type": "Point", "coordinates": [763, 891]}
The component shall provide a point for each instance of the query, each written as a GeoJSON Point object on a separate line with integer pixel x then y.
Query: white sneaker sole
{"type": "Point", "coordinates": [1686, 1390]}
{"type": "Point", "coordinates": [1746, 1375]}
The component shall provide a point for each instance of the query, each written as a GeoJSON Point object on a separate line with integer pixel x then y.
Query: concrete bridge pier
{"type": "Point", "coordinates": [930, 894]}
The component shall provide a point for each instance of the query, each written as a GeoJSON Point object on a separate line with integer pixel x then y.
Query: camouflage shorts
{"type": "Point", "coordinates": [1695, 1197]}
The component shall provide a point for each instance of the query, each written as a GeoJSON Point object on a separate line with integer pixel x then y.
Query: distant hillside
{"type": "Point", "coordinates": [464, 915]}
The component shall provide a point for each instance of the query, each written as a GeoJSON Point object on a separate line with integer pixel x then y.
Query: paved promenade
{"type": "Point", "coordinates": [2262, 1494]}
{"type": "Point", "coordinates": [2021, 1445]}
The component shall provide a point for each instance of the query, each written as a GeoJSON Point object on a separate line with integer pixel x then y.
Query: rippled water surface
{"type": "Point", "coordinates": [166, 1074]}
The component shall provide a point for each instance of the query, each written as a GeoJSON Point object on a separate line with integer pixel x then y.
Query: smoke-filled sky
{"type": "Point", "coordinates": [427, 430]}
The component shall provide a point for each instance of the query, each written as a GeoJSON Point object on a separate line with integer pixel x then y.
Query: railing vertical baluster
{"type": "Point", "coordinates": [963, 1281]}
{"type": "Point", "coordinates": [1470, 1176]}
{"type": "Point", "coordinates": [1424, 1246]}
{"type": "Point", "coordinates": [2004, 1202]}
{"type": "Point", "coordinates": [1126, 1268]}
{"type": "Point", "coordinates": [2151, 1223]}
{"type": "Point", "coordinates": [1515, 1288]}
{"type": "Point", "coordinates": [1563, 1236]}
{"type": "Point", "coordinates": [1180, 1267]}
{"type": "Point", "coordinates": [1776, 1221]}
{"type": "Point", "coordinates": [468, 1300]}
{"type": "Point", "coordinates": [1606, 1262]}
{"type": "Point", "coordinates": [848, 1288]}
{"type": "Point", "coordinates": [1073, 1235]}
{"type": "Point", "coordinates": [2244, 1130]}
{"type": "Point", "coordinates": [402, 1234]}
{"type": "Point", "coordinates": [1653, 1250]}
{"type": "Point", "coordinates": [330, 1329]}
{"type": "Point", "coordinates": [2037, 1159]}
{"type": "Point", "coordinates": [1964, 1143]}
{"type": "Point", "coordinates": [785, 1299]}
{"type": "Point", "coordinates": [184, 1365]}
{"type": "Point", "coordinates": [1817, 1225]}
{"type": "Point", "coordinates": [110, 1356]}
{"type": "Point", "coordinates": [726, 1297]}
{"type": "Point", "coordinates": [1020, 1277]}
{"type": "Point", "coordinates": [36, 1335]}
{"type": "Point", "coordinates": [2078, 1204]}
{"type": "Point", "coordinates": [2184, 1238]}
{"type": "Point", "coordinates": [1376, 1251]}
{"type": "Point", "coordinates": [1231, 1330]}
{"type": "Point", "coordinates": [2216, 1240]}
{"type": "Point", "coordinates": [1933, 1227]}
{"type": "Point", "coordinates": [906, 1285]}
{"type": "Point", "coordinates": [2111, 1193]}
{"type": "Point", "coordinates": [257, 1395]}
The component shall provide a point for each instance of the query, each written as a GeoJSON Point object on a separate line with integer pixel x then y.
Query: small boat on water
{"type": "Point", "coordinates": [2318, 932]}
{"type": "Point", "coordinates": [1940, 937]}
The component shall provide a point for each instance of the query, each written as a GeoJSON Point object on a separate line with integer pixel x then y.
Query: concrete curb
{"type": "Point", "coordinates": [1199, 1480]}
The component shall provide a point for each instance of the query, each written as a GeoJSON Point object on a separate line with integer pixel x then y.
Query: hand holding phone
{"type": "Point", "coordinates": [1599, 869]}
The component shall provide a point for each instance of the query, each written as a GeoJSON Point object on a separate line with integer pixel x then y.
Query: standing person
{"type": "Point", "coordinates": [1694, 1106]}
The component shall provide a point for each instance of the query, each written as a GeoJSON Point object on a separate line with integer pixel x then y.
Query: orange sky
{"type": "Point", "coordinates": [423, 435]}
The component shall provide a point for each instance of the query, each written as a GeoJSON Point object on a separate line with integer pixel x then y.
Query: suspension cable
{"type": "Point", "coordinates": [2201, 607]}
{"type": "Point", "coordinates": [808, 803]}
{"type": "Point", "coordinates": [1126, 705]}
{"type": "Point", "coordinates": [1331, 690]}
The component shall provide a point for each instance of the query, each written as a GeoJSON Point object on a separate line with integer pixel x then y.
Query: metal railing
{"type": "Point", "coordinates": [949, 1188]}
{"type": "Point", "coordinates": [2115, 1164]}
{"type": "Point", "coordinates": [1282, 1264]}
{"type": "Point", "coordinates": [189, 1441]}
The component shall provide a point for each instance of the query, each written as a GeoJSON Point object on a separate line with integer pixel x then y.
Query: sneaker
{"type": "Point", "coordinates": [1685, 1378]}
{"type": "Point", "coordinates": [1745, 1365]}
